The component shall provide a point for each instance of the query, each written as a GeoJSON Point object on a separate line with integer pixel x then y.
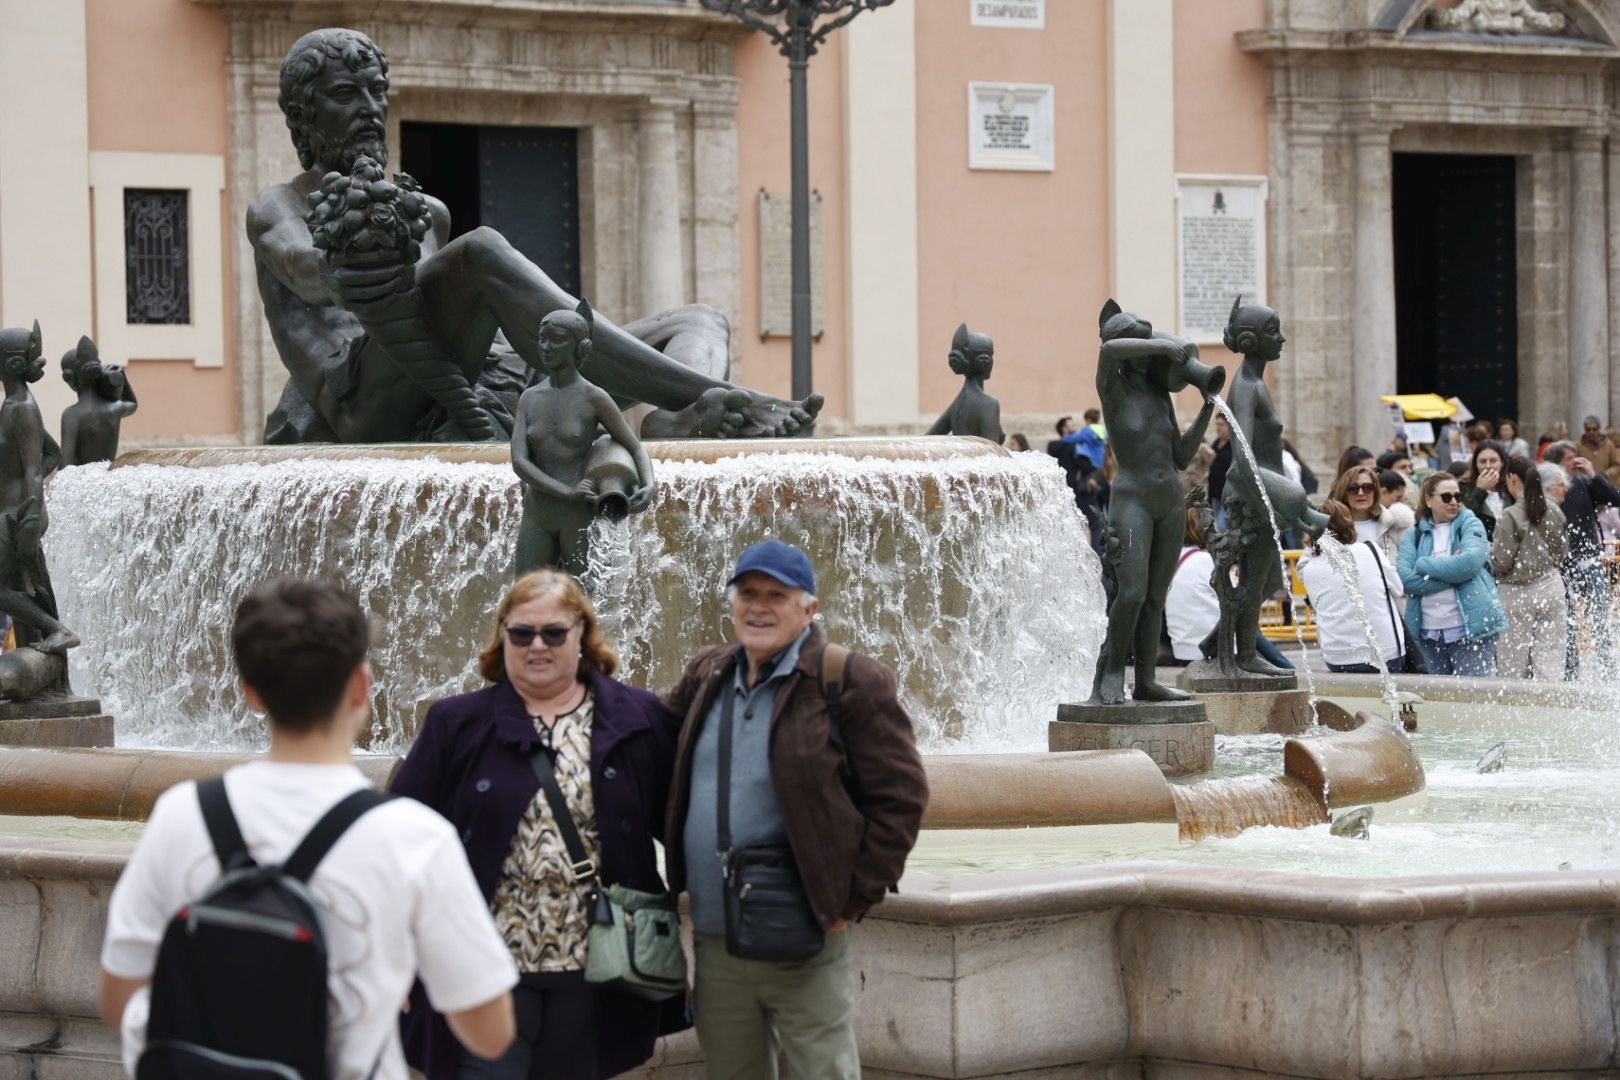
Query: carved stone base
{"type": "Point", "coordinates": [1204, 676]}
{"type": "Point", "coordinates": [1255, 712]}
{"type": "Point", "coordinates": [1176, 735]}
{"type": "Point", "coordinates": [55, 721]}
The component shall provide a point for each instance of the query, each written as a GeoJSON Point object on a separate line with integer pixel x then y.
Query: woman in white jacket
{"type": "Point", "coordinates": [1358, 489]}
{"type": "Point", "coordinates": [1339, 630]}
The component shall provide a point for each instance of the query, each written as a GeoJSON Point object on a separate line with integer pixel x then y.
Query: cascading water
{"type": "Point", "coordinates": [1241, 441]}
{"type": "Point", "coordinates": [1343, 562]}
{"type": "Point", "coordinates": [969, 575]}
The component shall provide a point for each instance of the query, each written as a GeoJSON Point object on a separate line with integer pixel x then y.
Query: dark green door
{"type": "Point", "coordinates": [522, 182]}
{"type": "Point", "coordinates": [1456, 279]}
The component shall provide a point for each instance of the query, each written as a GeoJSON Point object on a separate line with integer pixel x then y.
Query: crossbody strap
{"type": "Point", "coordinates": [1389, 599]}
{"type": "Point", "coordinates": [229, 847]}
{"type": "Point", "coordinates": [722, 787]}
{"type": "Point", "coordinates": [584, 869]}
{"type": "Point", "coordinates": [334, 823]}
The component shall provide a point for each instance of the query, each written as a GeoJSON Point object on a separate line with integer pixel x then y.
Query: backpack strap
{"type": "Point", "coordinates": [229, 847]}
{"type": "Point", "coordinates": [836, 659]}
{"type": "Point", "coordinates": [334, 823]}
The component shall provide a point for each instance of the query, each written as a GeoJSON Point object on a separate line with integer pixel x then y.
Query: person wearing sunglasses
{"type": "Point", "coordinates": [1451, 601]}
{"type": "Point", "coordinates": [551, 704]}
{"type": "Point", "coordinates": [1357, 488]}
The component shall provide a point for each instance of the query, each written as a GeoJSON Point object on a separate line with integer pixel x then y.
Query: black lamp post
{"type": "Point", "coordinates": [798, 27]}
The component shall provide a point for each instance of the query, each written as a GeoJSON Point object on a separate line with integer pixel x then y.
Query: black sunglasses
{"type": "Point", "coordinates": [553, 635]}
{"type": "Point", "coordinates": [1448, 497]}
{"type": "Point", "coordinates": [1359, 489]}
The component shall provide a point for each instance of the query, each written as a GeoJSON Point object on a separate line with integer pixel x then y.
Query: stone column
{"type": "Point", "coordinates": [658, 206]}
{"type": "Point", "coordinates": [716, 243]}
{"type": "Point", "coordinates": [1588, 283]}
{"type": "Point", "coordinates": [1373, 322]}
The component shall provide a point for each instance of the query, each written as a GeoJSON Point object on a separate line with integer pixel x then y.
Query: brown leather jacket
{"type": "Point", "coordinates": [851, 819]}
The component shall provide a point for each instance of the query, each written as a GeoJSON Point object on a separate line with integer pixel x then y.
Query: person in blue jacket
{"type": "Point", "coordinates": [1451, 608]}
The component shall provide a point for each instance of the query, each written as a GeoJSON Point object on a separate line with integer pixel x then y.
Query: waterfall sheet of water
{"type": "Point", "coordinates": [1342, 560]}
{"type": "Point", "coordinates": [1241, 441]}
{"type": "Point", "coordinates": [1227, 807]}
{"type": "Point", "coordinates": [971, 578]}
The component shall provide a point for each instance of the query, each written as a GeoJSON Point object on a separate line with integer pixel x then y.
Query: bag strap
{"type": "Point", "coordinates": [334, 823]}
{"type": "Point", "coordinates": [835, 657]}
{"type": "Point", "coordinates": [1389, 600]}
{"type": "Point", "coordinates": [722, 787]}
{"type": "Point", "coordinates": [584, 869]}
{"type": "Point", "coordinates": [229, 847]}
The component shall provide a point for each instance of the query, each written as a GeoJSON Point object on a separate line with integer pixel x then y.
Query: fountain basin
{"type": "Point", "coordinates": [1144, 968]}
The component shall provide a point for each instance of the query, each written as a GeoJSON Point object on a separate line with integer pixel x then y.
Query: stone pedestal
{"type": "Point", "coordinates": [1205, 676]}
{"type": "Point", "coordinates": [1257, 712]}
{"type": "Point", "coordinates": [57, 721]}
{"type": "Point", "coordinates": [1175, 734]}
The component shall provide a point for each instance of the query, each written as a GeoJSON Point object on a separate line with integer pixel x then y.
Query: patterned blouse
{"type": "Point", "coordinates": [539, 908]}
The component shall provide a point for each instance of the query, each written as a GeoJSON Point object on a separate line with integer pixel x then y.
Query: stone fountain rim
{"type": "Point", "coordinates": [938, 900]}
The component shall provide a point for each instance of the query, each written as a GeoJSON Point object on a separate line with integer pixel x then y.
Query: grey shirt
{"type": "Point", "coordinates": [756, 817]}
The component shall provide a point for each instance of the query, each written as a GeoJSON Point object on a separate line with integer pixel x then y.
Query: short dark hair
{"type": "Point", "coordinates": [304, 63]}
{"type": "Point", "coordinates": [1388, 460]}
{"type": "Point", "coordinates": [296, 643]}
{"type": "Point", "coordinates": [1390, 480]}
{"type": "Point", "coordinates": [1093, 415]}
{"type": "Point", "coordinates": [1062, 422]}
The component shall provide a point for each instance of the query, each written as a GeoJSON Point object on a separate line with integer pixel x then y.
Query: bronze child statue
{"type": "Point", "coordinates": [90, 425]}
{"type": "Point", "coordinates": [570, 475]}
{"type": "Point", "coordinates": [974, 412]}
{"type": "Point", "coordinates": [1137, 371]}
{"type": "Point", "coordinates": [1255, 332]}
{"type": "Point", "coordinates": [27, 455]}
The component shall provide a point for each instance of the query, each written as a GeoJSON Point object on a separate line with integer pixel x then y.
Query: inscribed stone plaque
{"type": "Point", "coordinates": [1015, 14]}
{"type": "Point", "coordinates": [1010, 126]}
{"type": "Point", "coordinates": [1222, 248]}
{"type": "Point", "coordinates": [776, 267]}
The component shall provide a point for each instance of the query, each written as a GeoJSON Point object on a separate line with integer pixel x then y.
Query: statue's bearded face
{"type": "Point", "coordinates": [347, 113]}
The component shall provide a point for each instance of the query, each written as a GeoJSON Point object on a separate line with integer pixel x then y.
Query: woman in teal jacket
{"type": "Point", "coordinates": [1451, 604]}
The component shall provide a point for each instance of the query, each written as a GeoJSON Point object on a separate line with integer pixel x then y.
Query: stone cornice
{"type": "Point", "coordinates": [684, 21]}
{"type": "Point", "coordinates": [1280, 45]}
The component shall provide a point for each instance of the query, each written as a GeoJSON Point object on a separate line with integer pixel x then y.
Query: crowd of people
{"type": "Point", "coordinates": [1476, 554]}
{"type": "Point", "coordinates": [502, 914]}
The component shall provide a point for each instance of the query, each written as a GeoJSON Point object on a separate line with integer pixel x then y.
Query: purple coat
{"type": "Point", "coordinates": [470, 762]}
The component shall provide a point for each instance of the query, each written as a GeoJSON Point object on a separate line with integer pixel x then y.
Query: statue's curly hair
{"type": "Point", "coordinates": [303, 66]}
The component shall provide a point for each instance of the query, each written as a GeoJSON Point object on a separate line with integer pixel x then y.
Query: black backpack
{"type": "Point", "coordinates": [239, 990]}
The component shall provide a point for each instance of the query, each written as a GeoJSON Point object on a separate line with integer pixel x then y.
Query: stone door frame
{"type": "Point", "coordinates": [1351, 83]}
{"type": "Point", "coordinates": [651, 87]}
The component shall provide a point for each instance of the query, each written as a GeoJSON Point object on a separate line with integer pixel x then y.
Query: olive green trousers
{"type": "Point", "coordinates": [749, 1010]}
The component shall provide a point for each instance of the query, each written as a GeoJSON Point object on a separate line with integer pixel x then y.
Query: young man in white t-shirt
{"type": "Point", "coordinates": [396, 896]}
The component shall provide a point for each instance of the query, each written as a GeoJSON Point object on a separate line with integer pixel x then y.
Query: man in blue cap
{"type": "Point", "coordinates": [797, 796]}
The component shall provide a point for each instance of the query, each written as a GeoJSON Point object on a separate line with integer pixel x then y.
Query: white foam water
{"type": "Point", "coordinates": [971, 578]}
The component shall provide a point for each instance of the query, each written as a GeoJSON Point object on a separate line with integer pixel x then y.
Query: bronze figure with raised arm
{"type": "Point", "coordinates": [434, 339]}
{"type": "Point", "coordinates": [1137, 372]}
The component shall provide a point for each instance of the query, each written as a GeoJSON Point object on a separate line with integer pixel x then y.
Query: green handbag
{"type": "Point", "coordinates": [634, 944]}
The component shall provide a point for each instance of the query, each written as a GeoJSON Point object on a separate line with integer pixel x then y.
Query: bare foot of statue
{"type": "Point", "coordinates": [59, 642]}
{"type": "Point", "coordinates": [1256, 665]}
{"type": "Point", "coordinates": [733, 414]}
{"type": "Point", "coordinates": [1154, 690]}
{"type": "Point", "coordinates": [1111, 689]}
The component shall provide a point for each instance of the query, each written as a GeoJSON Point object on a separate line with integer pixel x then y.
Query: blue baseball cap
{"type": "Point", "coordinates": [784, 562]}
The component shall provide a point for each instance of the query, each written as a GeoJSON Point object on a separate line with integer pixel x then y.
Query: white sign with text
{"type": "Point", "coordinates": [1222, 242]}
{"type": "Point", "coordinates": [1010, 127]}
{"type": "Point", "coordinates": [1013, 14]}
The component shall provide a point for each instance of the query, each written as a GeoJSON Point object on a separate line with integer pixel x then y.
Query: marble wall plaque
{"type": "Point", "coordinates": [1013, 14]}
{"type": "Point", "coordinates": [1222, 248]}
{"type": "Point", "coordinates": [1010, 126]}
{"type": "Point", "coordinates": [776, 266]}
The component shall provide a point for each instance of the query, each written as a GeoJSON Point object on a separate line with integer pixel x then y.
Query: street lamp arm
{"type": "Point", "coordinates": [819, 35]}
{"type": "Point", "coordinates": [798, 33]}
{"type": "Point", "coordinates": [757, 14]}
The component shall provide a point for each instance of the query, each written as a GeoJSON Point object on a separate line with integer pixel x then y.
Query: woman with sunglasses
{"type": "Point", "coordinates": [1339, 630]}
{"type": "Point", "coordinates": [1358, 489]}
{"type": "Point", "coordinates": [1451, 601]}
{"type": "Point", "coordinates": [551, 704]}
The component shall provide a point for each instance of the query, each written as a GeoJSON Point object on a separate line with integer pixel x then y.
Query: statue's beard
{"type": "Point", "coordinates": [364, 141]}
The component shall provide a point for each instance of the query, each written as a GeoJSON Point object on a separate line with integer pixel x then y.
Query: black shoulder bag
{"type": "Point", "coordinates": [1412, 662]}
{"type": "Point", "coordinates": [768, 916]}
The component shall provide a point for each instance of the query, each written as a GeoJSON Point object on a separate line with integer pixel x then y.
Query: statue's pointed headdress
{"type": "Point", "coordinates": [584, 312]}
{"type": "Point", "coordinates": [961, 339]}
{"type": "Point", "coordinates": [36, 343]}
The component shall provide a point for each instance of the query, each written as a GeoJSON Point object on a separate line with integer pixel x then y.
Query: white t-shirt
{"type": "Point", "coordinates": [1367, 530]}
{"type": "Point", "coordinates": [1439, 609]}
{"type": "Point", "coordinates": [396, 896]}
{"type": "Point", "coordinates": [1191, 608]}
{"type": "Point", "coordinates": [1339, 631]}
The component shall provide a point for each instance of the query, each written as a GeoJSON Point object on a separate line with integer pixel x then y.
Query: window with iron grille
{"type": "Point", "coordinates": [156, 256]}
